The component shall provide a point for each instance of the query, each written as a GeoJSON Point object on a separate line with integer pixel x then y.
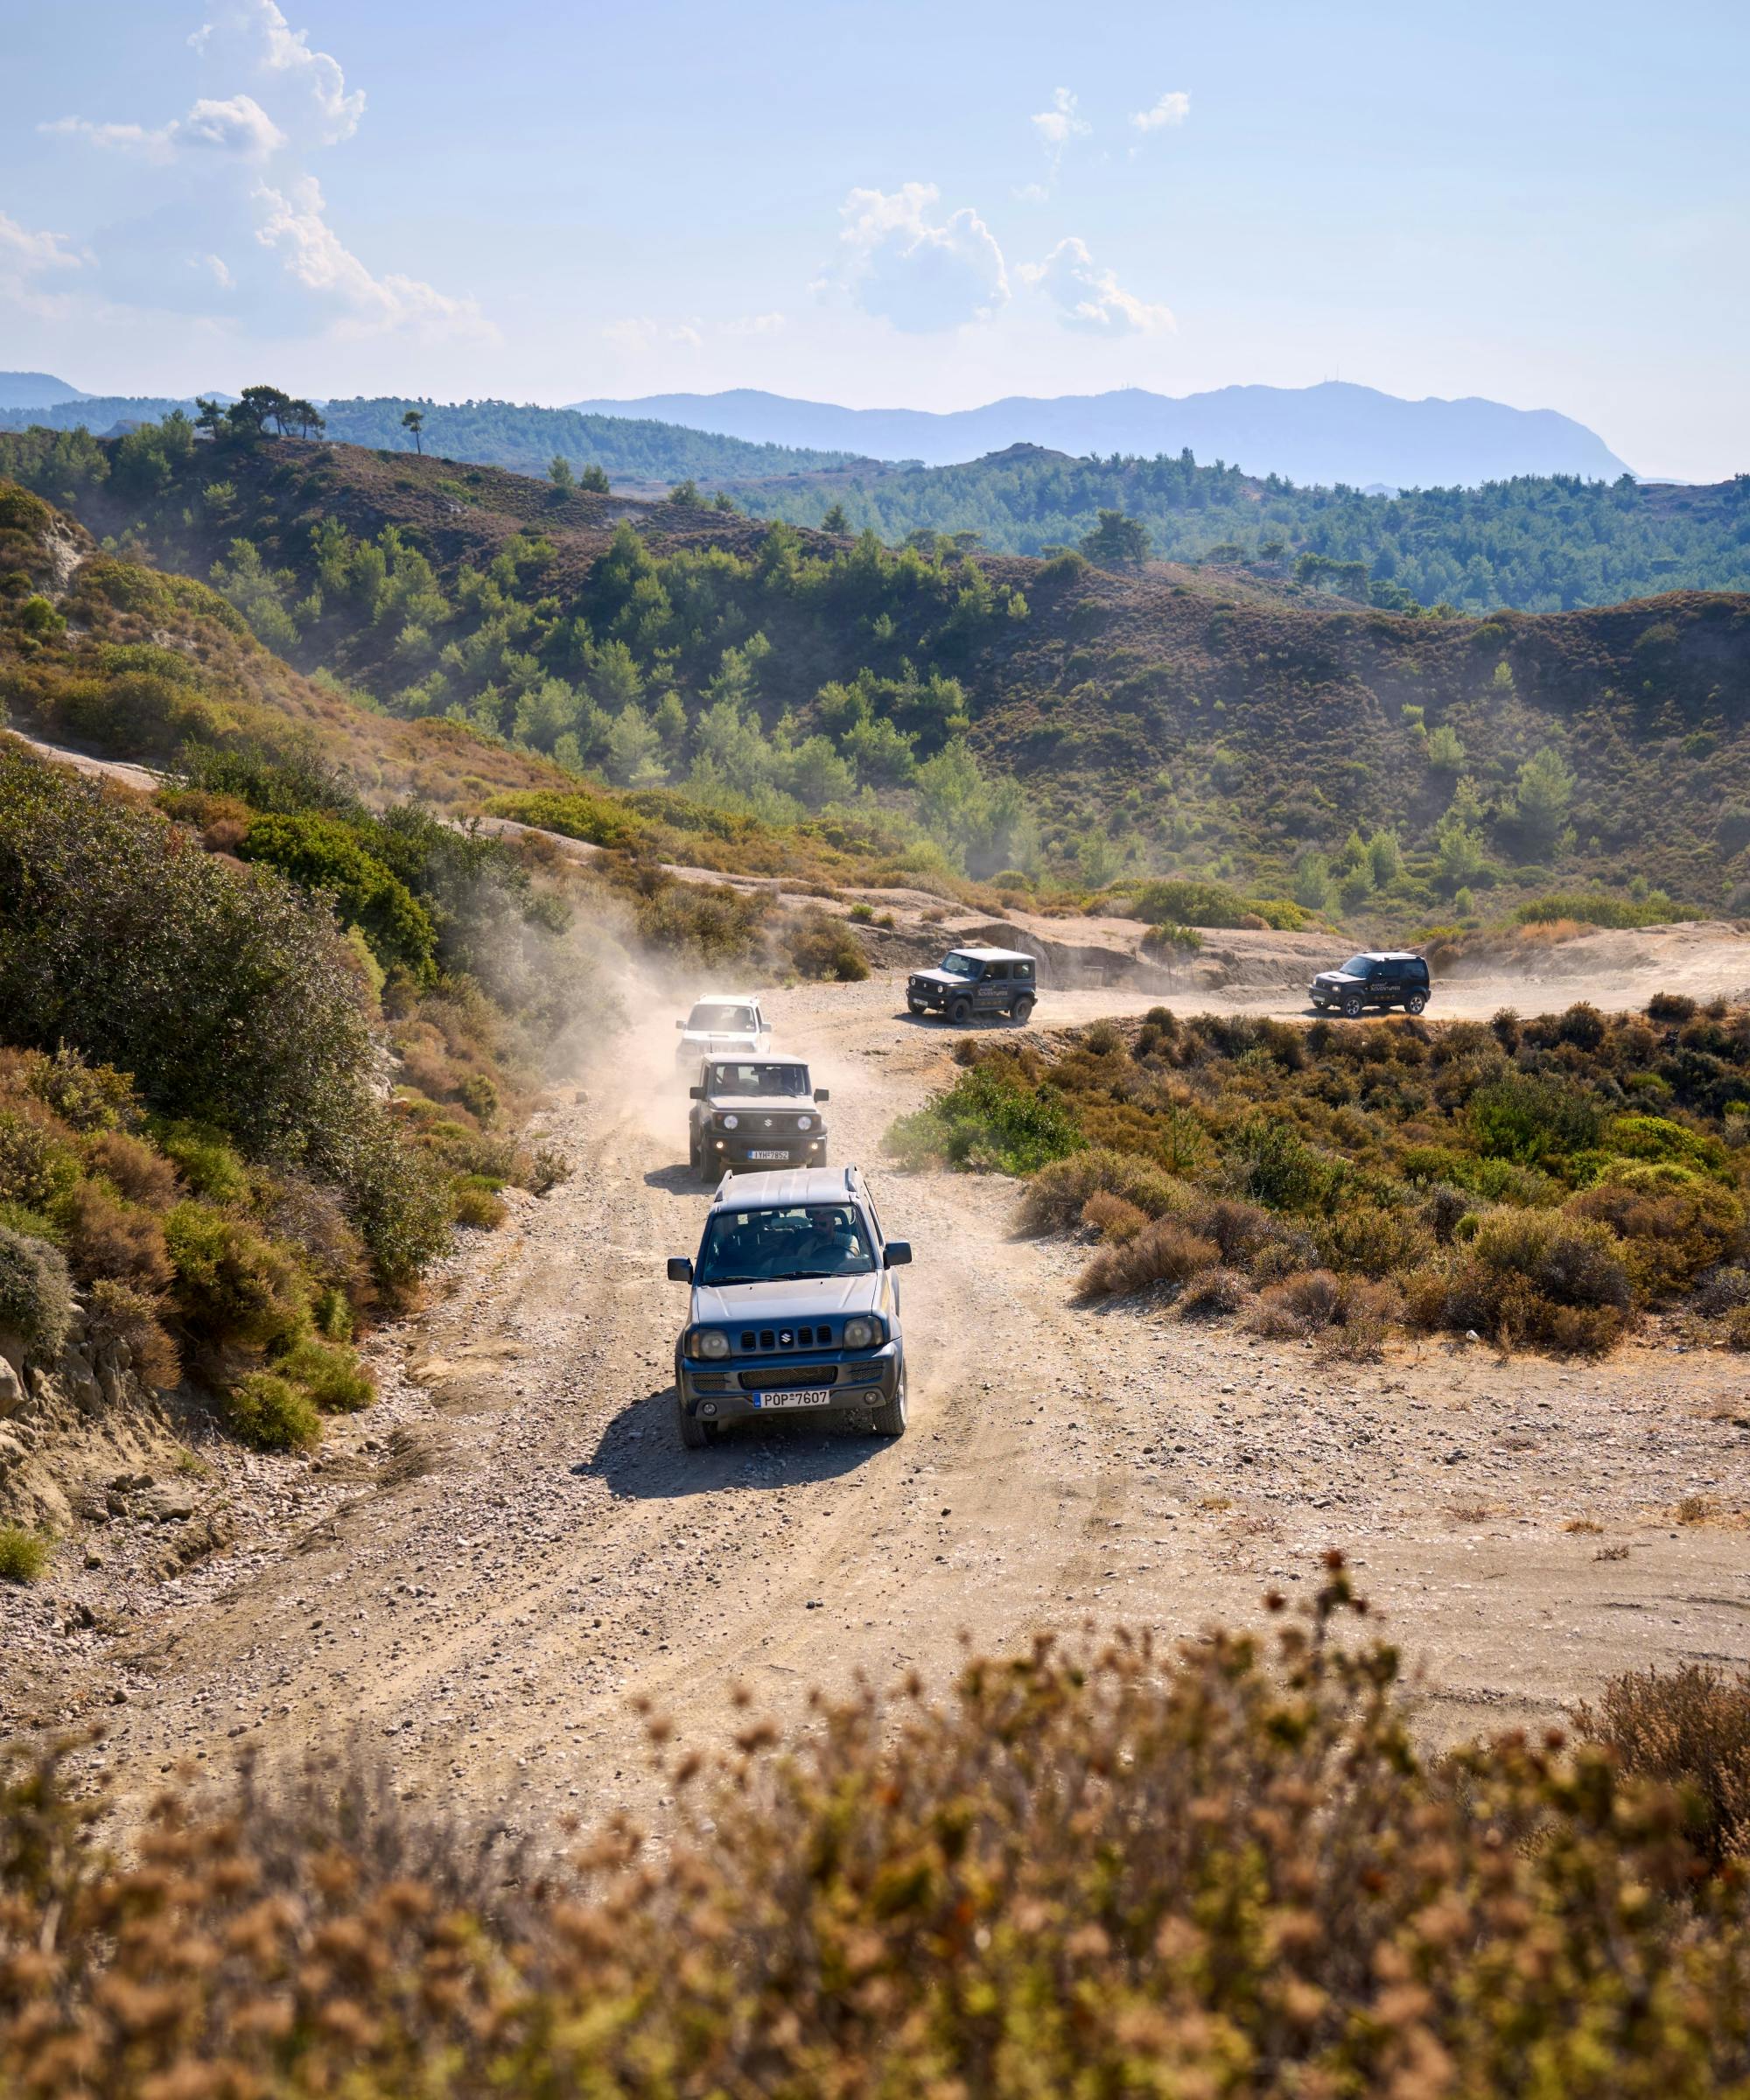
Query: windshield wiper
{"type": "Point", "coordinates": [718, 1283]}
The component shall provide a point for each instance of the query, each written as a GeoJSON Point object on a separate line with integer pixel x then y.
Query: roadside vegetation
{"type": "Point", "coordinates": [1541, 1183]}
{"type": "Point", "coordinates": [1066, 726]}
{"type": "Point", "coordinates": [1226, 1870]}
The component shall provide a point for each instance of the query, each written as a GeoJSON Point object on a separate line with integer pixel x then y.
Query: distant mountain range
{"type": "Point", "coordinates": [35, 390]}
{"type": "Point", "coordinates": [1321, 435]}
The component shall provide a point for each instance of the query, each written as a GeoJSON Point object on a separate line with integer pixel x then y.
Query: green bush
{"type": "Point", "coordinates": [590, 817]}
{"type": "Point", "coordinates": [822, 947]}
{"type": "Point", "coordinates": [328, 1373]}
{"type": "Point", "coordinates": [23, 1554]}
{"type": "Point", "coordinates": [270, 1413]}
{"type": "Point", "coordinates": [1059, 1192]}
{"type": "Point", "coordinates": [985, 1120]}
{"type": "Point", "coordinates": [232, 1285]}
{"type": "Point", "coordinates": [1185, 901]}
{"type": "Point", "coordinates": [36, 1293]}
{"type": "Point", "coordinates": [321, 853]}
{"type": "Point", "coordinates": [210, 1167]}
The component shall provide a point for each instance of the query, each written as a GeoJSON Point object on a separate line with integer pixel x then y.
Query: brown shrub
{"type": "Point", "coordinates": [1112, 1217]}
{"type": "Point", "coordinates": [1055, 1196]}
{"type": "Point", "coordinates": [1213, 1295]}
{"type": "Point", "coordinates": [1674, 1225]}
{"type": "Point", "coordinates": [109, 1238]}
{"type": "Point", "coordinates": [118, 1314]}
{"type": "Point", "coordinates": [1302, 1304]}
{"type": "Point", "coordinates": [1168, 1252]}
{"type": "Point", "coordinates": [1366, 1311]}
{"type": "Point", "coordinates": [143, 1175]}
{"type": "Point", "coordinates": [1240, 1230]}
{"type": "Point", "coordinates": [1690, 1729]}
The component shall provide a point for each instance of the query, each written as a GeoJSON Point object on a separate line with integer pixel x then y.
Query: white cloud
{"type": "Point", "coordinates": [753, 323]}
{"type": "Point", "coordinates": [294, 223]}
{"type": "Point", "coordinates": [29, 265]}
{"type": "Point", "coordinates": [255, 33]}
{"type": "Point", "coordinates": [1033, 192]}
{"type": "Point", "coordinates": [238, 127]}
{"type": "Point", "coordinates": [1059, 124]}
{"type": "Point", "coordinates": [901, 263]}
{"type": "Point", "coordinates": [1090, 298]}
{"type": "Point", "coordinates": [1173, 108]}
{"type": "Point", "coordinates": [640, 333]}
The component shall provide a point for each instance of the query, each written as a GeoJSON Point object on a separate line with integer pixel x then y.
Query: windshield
{"type": "Point", "coordinates": [707, 1018]}
{"type": "Point", "coordinates": [786, 1246]}
{"type": "Point", "coordinates": [957, 965]}
{"type": "Point", "coordinates": [1355, 967]}
{"type": "Point", "coordinates": [788, 1082]}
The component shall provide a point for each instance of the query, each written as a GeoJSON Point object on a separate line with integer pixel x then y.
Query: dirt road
{"type": "Point", "coordinates": [490, 1563]}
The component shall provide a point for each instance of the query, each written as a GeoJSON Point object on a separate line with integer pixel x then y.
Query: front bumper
{"type": "Point", "coordinates": [736, 1151]}
{"type": "Point", "coordinates": [857, 1383]}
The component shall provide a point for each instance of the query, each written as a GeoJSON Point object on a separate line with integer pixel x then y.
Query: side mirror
{"type": "Point", "coordinates": [898, 1255]}
{"type": "Point", "coordinates": [695, 1093]}
{"type": "Point", "coordinates": [765, 1027]}
{"type": "Point", "coordinates": [681, 1025]}
{"type": "Point", "coordinates": [680, 1269]}
{"type": "Point", "coordinates": [822, 1094]}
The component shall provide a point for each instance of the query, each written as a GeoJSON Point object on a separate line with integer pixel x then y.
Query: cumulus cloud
{"type": "Point", "coordinates": [1059, 124]}
{"type": "Point", "coordinates": [238, 126]}
{"type": "Point", "coordinates": [1173, 108]}
{"type": "Point", "coordinates": [294, 222]}
{"type": "Point", "coordinates": [904, 263]}
{"type": "Point", "coordinates": [1090, 298]}
{"type": "Point", "coordinates": [30, 265]}
{"type": "Point", "coordinates": [255, 32]}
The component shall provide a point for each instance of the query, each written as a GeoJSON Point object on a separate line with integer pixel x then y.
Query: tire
{"type": "Point", "coordinates": [1021, 1013]}
{"type": "Point", "coordinates": [960, 1012]}
{"type": "Point", "coordinates": [1320, 1005]}
{"type": "Point", "coordinates": [913, 1008]}
{"type": "Point", "coordinates": [889, 1419]}
{"type": "Point", "coordinates": [1352, 1006]}
{"type": "Point", "coordinates": [695, 1434]}
{"type": "Point", "coordinates": [1415, 1002]}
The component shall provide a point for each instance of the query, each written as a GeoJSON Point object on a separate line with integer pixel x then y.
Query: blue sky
{"type": "Point", "coordinates": [901, 204]}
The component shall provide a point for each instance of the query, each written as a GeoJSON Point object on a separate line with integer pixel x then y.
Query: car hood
{"type": "Point", "coordinates": [769, 1303]}
{"type": "Point", "coordinates": [762, 1104]}
{"type": "Point", "coordinates": [738, 1038]}
{"type": "Point", "coordinates": [1337, 977]}
{"type": "Point", "coordinates": [943, 976]}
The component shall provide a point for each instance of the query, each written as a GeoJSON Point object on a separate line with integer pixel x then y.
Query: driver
{"type": "Point", "coordinates": [831, 1242]}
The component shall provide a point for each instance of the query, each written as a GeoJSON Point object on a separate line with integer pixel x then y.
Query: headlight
{"type": "Point", "coordinates": [729, 1122]}
{"type": "Point", "coordinates": [709, 1343]}
{"type": "Point", "coordinates": [860, 1334]}
{"type": "Point", "coordinates": [805, 1122]}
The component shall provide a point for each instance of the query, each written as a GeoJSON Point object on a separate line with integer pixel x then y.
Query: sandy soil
{"type": "Point", "coordinates": [478, 1573]}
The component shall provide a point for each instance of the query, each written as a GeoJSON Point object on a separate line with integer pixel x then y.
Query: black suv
{"type": "Point", "coordinates": [754, 1112]}
{"type": "Point", "coordinates": [975, 981]}
{"type": "Point", "coordinates": [1395, 978]}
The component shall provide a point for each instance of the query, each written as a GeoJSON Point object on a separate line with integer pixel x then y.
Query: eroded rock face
{"type": "Point", "coordinates": [59, 1423]}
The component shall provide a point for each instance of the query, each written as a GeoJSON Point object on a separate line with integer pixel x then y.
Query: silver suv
{"type": "Point", "coordinates": [795, 1306]}
{"type": "Point", "coordinates": [754, 1112]}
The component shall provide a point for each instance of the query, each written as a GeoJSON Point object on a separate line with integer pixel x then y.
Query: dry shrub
{"type": "Point", "coordinates": [1227, 1869]}
{"type": "Point", "coordinates": [1673, 1223]}
{"type": "Point", "coordinates": [1689, 1728]}
{"type": "Point", "coordinates": [1055, 1196]}
{"type": "Point", "coordinates": [1303, 1305]}
{"type": "Point", "coordinates": [142, 1175]}
{"type": "Point", "coordinates": [120, 1241]}
{"type": "Point", "coordinates": [118, 1313]}
{"type": "Point", "coordinates": [1366, 1311]}
{"type": "Point", "coordinates": [1537, 1277]}
{"type": "Point", "coordinates": [1214, 1294]}
{"type": "Point", "coordinates": [1168, 1252]}
{"type": "Point", "coordinates": [1112, 1217]}
{"type": "Point", "coordinates": [1240, 1230]}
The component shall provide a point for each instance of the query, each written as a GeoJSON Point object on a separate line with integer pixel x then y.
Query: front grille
{"type": "Point", "coordinates": [789, 1380]}
{"type": "Point", "coordinates": [787, 1338]}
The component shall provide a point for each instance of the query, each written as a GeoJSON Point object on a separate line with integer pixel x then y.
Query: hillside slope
{"type": "Point", "coordinates": [1542, 544]}
{"type": "Point", "coordinates": [1322, 434]}
{"type": "Point", "coordinates": [1195, 722]}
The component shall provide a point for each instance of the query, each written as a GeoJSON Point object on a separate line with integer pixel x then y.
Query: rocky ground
{"type": "Point", "coordinates": [476, 1577]}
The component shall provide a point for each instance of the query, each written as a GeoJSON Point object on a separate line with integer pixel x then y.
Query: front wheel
{"type": "Point", "coordinates": [913, 1007]}
{"type": "Point", "coordinates": [1352, 1006]}
{"type": "Point", "coordinates": [889, 1419]}
{"type": "Point", "coordinates": [1023, 1012]}
{"type": "Point", "coordinates": [695, 1434]}
{"type": "Point", "coordinates": [1416, 1002]}
{"type": "Point", "coordinates": [960, 1012]}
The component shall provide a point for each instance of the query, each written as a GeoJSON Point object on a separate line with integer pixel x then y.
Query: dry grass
{"type": "Point", "coordinates": [1689, 1727]}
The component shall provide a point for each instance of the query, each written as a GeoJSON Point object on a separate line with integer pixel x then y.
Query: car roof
{"type": "Point", "coordinates": [753, 1057]}
{"type": "Point", "coordinates": [727, 998]}
{"type": "Point", "coordinates": [992, 955]}
{"type": "Point", "coordinates": [789, 1187]}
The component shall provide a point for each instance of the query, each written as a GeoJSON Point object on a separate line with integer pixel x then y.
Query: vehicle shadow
{"type": "Point", "coordinates": [679, 1180]}
{"type": "Point", "coordinates": [641, 1457]}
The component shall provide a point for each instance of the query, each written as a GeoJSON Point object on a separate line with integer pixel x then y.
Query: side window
{"type": "Point", "coordinates": [997, 973]}
{"type": "Point", "coordinates": [1024, 969]}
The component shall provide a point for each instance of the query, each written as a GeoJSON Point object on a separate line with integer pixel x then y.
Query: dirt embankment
{"type": "Point", "coordinates": [478, 1572]}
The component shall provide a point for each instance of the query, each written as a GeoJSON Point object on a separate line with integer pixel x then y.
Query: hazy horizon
{"type": "Point", "coordinates": [1545, 211]}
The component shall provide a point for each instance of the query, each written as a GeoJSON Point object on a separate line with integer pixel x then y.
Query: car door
{"type": "Point", "coordinates": [993, 988]}
{"type": "Point", "coordinates": [1385, 981]}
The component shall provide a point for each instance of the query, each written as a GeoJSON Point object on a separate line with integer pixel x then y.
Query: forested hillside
{"type": "Point", "coordinates": [1537, 544]}
{"type": "Point", "coordinates": [497, 433]}
{"type": "Point", "coordinates": [1049, 720]}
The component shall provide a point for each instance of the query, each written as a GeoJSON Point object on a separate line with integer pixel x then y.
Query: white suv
{"type": "Point", "coordinates": [722, 1023]}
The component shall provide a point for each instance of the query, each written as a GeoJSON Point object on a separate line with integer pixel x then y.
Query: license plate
{"type": "Point", "coordinates": [811, 1395]}
{"type": "Point", "coordinates": [768, 1155]}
